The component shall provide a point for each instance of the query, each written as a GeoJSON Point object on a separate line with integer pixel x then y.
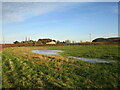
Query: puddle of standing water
{"type": "Point", "coordinates": [57, 52]}
{"type": "Point", "coordinates": [47, 52]}
{"type": "Point", "coordinates": [92, 60]}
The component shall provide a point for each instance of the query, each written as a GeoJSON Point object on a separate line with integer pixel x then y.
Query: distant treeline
{"type": "Point", "coordinates": [113, 40]}
{"type": "Point", "coordinates": [45, 41]}
{"type": "Point", "coordinates": [83, 43]}
{"type": "Point", "coordinates": [41, 41]}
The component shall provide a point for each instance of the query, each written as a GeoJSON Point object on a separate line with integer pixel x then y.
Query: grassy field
{"type": "Point", "coordinates": [23, 69]}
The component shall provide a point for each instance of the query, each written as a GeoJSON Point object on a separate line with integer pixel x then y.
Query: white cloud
{"type": "Point", "coordinates": [16, 12]}
{"type": "Point", "coordinates": [21, 11]}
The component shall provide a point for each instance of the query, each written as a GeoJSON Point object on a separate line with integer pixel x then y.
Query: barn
{"type": "Point", "coordinates": [52, 42]}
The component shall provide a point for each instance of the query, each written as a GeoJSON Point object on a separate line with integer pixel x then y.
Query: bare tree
{"type": "Point", "coordinates": [67, 41]}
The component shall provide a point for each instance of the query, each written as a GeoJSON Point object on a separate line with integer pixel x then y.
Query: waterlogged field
{"type": "Point", "coordinates": [23, 69]}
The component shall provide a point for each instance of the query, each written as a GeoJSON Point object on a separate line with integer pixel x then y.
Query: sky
{"type": "Point", "coordinates": [73, 21]}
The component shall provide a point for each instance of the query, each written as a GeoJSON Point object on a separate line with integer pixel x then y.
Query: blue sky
{"type": "Point", "coordinates": [59, 21]}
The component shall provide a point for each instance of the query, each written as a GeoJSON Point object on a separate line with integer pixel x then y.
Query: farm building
{"type": "Point", "coordinates": [52, 42]}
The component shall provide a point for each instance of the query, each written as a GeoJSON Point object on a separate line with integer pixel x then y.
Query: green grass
{"type": "Point", "coordinates": [107, 52]}
{"type": "Point", "coordinates": [24, 71]}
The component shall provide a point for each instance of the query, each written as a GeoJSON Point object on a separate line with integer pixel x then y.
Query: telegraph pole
{"type": "Point", "coordinates": [90, 38]}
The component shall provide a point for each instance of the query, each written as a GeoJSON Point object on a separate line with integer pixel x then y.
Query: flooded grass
{"type": "Point", "coordinates": [47, 52]}
{"type": "Point", "coordinates": [107, 52]}
{"type": "Point", "coordinates": [92, 60]}
{"type": "Point", "coordinates": [57, 52]}
{"type": "Point", "coordinates": [24, 69]}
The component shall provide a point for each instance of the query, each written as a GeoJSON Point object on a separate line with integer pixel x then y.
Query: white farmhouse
{"type": "Point", "coordinates": [52, 42]}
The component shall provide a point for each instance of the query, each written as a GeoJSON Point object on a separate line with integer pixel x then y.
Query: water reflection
{"type": "Point", "coordinates": [92, 60]}
{"type": "Point", "coordinates": [48, 52]}
{"type": "Point", "coordinates": [57, 52]}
